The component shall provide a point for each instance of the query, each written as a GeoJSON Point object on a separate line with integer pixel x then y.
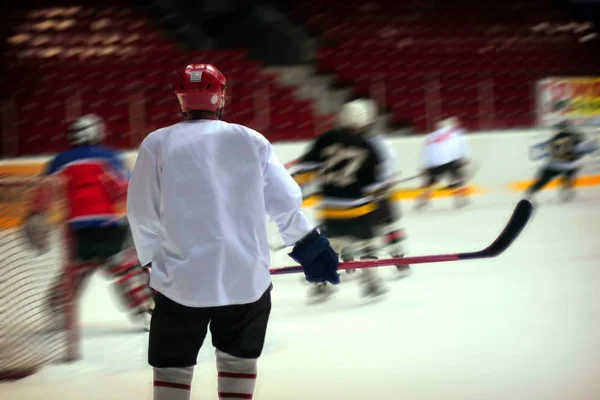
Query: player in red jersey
{"type": "Point", "coordinates": [96, 184]}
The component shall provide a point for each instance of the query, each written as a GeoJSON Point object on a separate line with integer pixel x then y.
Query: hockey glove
{"type": "Point", "coordinates": [319, 260]}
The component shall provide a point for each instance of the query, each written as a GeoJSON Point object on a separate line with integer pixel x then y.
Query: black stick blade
{"type": "Point", "coordinates": [518, 220]}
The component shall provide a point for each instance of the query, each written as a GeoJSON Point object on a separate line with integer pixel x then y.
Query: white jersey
{"type": "Point", "coordinates": [197, 201]}
{"type": "Point", "coordinates": [443, 146]}
{"type": "Point", "coordinates": [389, 167]}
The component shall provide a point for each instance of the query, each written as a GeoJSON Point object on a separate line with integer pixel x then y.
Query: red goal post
{"type": "Point", "coordinates": [32, 333]}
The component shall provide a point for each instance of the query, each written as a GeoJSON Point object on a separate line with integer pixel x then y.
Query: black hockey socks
{"type": "Point", "coordinates": [173, 383]}
{"type": "Point", "coordinates": [543, 178]}
{"type": "Point", "coordinates": [237, 376]}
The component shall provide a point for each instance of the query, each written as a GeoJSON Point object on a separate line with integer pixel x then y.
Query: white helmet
{"type": "Point", "coordinates": [88, 129]}
{"type": "Point", "coordinates": [372, 107]}
{"type": "Point", "coordinates": [356, 114]}
{"type": "Point", "coordinates": [448, 123]}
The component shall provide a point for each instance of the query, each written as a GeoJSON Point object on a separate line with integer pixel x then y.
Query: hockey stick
{"type": "Point", "coordinates": [469, 176]}
{"type": "Point", "coordinates": [472, 173]}
{"type": "Point", "coordinates": [519, 219]}
{"type": "Point", "coordinates": [408, 179]}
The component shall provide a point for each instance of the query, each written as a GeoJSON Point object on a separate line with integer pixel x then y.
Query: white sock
{"type": "Point", "coordinates": [237, 376]}
{"type": "Point", "coordinates": [173, 383]}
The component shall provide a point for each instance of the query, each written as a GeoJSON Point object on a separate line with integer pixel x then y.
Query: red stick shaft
{"type": "Point", "coordinates": [378, 263]}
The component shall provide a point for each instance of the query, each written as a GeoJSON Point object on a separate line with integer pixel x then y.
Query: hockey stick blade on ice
{"type": "Point", "coordinates": [519, 219]}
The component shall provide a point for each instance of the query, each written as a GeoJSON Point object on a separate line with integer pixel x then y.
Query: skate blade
{"type": "Point", "coordinates": [374, 298]}
{"type": "Point", "coordinates": [374, 294]}
{"type": "Point", "coordinates": [318, 300]}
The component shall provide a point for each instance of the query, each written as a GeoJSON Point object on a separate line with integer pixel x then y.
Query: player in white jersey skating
{"type": "Point", "coordinates": [445, 151]}
{"type": "Point", "coordinates": [197, 201]}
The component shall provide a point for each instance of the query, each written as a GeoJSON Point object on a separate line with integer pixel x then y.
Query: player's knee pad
{"type": "Point", "coordinates": [366, 249]}
{"type": "Point", "coordinates": [132, 281]}
{"type": "Point", "coordinates": [347, 254]}
{"type": "Point", "coordinates": [122, 263]}
{"type": "Point", "coordinates": [134, 289]}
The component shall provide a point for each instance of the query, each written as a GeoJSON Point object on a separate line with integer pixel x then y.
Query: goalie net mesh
{"type": "Point", "coordinates": [31, 332]}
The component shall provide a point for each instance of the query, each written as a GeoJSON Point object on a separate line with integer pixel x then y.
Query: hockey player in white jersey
{"type": "Point", "coordinates": [197, 201]}
{"type": "Point", "coordinates": [445, 151]}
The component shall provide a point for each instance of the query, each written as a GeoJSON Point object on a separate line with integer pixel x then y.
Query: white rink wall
{"type": "Point", "coordinates": [502, 157]}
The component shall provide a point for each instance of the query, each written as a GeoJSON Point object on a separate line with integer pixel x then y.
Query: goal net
{"type": "Point", "coordinates": [32, 332]}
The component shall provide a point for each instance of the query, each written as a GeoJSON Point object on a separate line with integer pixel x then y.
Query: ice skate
{"type": "Point", "coordinates": [320, 292]}
{"type": "Point", "coordinates": [371, 285]}
{"type": "Point", "coordinates": [402, 269]}
{"type": "Point", "coordinates": [373, 289]}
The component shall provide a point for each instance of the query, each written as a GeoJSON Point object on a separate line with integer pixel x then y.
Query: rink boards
{"type": "Point", "coordinates": [502, 157]}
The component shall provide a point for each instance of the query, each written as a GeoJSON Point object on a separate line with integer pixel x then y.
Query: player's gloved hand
{"type": "Point", "coordinates": [319, 260]}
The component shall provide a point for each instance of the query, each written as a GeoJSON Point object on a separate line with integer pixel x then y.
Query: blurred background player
{"type": "Point", "coordinates": [351, 175]}
{"type": "Point", "coordinates": [199, 193]}
{"type": "Point", "coordinates": [445, 151]}
{"type": "Point", "coordinates": [96, 182]}
{"type": "Point", "coordinates": [565, 150]}
{"type": "Point", "coordinates": [389, 212]}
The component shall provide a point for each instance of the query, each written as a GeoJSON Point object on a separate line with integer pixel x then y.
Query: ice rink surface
{"type": "Point", "coordinates": [523, 326]}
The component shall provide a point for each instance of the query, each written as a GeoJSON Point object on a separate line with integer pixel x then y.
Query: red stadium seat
{"type": "Point", "coordinates": [107, 60]}
{"type": "Point", "coordinates": [464, 44]}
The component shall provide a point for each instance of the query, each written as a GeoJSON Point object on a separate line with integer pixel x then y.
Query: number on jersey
{"type": "Point", "coordinates": [562, 148]}
{"type": "Point", "coordinates": [335, 155]}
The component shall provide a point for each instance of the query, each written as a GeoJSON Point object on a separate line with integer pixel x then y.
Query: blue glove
{"type": "Point", "coordinates": [318, 259]}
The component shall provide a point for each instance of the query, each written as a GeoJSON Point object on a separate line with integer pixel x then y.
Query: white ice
{"type": "Point", "coordinates": [523, 326]}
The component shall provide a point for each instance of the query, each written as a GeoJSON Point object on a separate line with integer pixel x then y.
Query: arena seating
{"type": "Point", "coordinates": [479, 61]}
{"type": "Point", "coordinates": [427, 59]}
{"type": "Point", "coordinates": [64, 61]}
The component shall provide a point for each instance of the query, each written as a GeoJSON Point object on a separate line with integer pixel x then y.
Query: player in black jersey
{"type": "Point", "coordinates": [389, 212]}
{"type": "Point", "coordinates": [349, 171]}
{"type": "Point", "coordinates": [564, 149]}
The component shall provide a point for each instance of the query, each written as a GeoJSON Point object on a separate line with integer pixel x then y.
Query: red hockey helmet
{"type": "Point", "coordinates": [201, 87]}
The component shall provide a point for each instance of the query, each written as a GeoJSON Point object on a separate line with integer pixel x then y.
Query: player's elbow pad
{"type": "Point", "coordinates": [319, 260]}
